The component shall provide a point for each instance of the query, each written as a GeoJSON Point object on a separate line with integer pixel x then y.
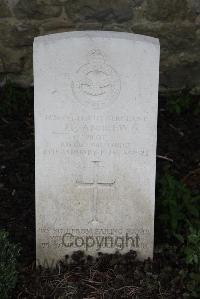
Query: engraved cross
{"type": "Point", "coordinates": [96, 185]}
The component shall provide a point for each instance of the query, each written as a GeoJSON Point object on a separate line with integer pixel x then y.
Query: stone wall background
{"type": "Point", "coordinates": [175, 22]}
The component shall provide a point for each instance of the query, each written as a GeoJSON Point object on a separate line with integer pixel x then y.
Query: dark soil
{"type": "Point", "coordinates": [111, 276]}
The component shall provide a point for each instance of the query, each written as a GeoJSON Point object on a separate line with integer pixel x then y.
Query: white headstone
{"type": "Point", "coordinates": [96, 96]}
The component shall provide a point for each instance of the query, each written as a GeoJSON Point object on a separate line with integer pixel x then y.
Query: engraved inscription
{"type": "Point", "coordinates": [96, 83]}
{"type": "Point", "coordinates": [95, 184]}
{"type": "Point", "coordinates": [90, 135]}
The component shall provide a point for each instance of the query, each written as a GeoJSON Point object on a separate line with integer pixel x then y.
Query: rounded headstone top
{"type": "Point", "coordinates": [97, 34]}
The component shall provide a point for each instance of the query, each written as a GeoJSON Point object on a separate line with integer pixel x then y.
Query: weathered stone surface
{"type": "Point", "coordinates": [23, 34]}
{"type": "Point", "coordinates": [36, 9]}
{"type": "Point", "coordinates": [1, 66]}
{"type": "Point", "coordinates": [175, 22]}
{"type": "Point", "coordinates": [194, 5]}
{"type": "Point", "coordinates": [197, 21]}
{"type": "Point", "coordinates": [136, 3]}
{"type": "Point", "coordinates": [27, 76]}
{"type": "Point", "coordinates": [4, 9]}
{"type": "Point", "coordinates": [167, 10]}
{"type": "Point", "coordinates": [116, 27]}
{"type": "Point", "coordinates": [56, 26]}
{"type": "Point", "coordinates": [173, 37]}
{"type": "Point", "coordinates": [176, 55]}
{"type": "Point", "coordinates": [12, 60]}
{"type": "Point", "coordinates": [175, 71]}
{"type": "Point", "coordinates": [95, 143]}
{"type": "Point", "coordinates": [119, 10]}
{"type": "Point", "coordinates": [18, 35]}
{"type": "Point", "coordinates": [17, 66]}
{"type": "Point", "coordinates": [89, 26]}
{"type": "Point", "coordinates": [5, 29]}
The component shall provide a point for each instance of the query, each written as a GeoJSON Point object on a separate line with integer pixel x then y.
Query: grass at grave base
{"type": "Point", "coordinates": [174, 273]}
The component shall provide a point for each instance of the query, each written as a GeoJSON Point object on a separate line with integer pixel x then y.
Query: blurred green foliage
{"type": "Point", "coordinates": [183, 103]}
{"type": "Point", "coordinates": [177, 208]}
{"type": "Point", "coordinates": [15, 101]}
{"type": "Point", "coordinates": [178, 220]}
{"type": "Point", "coordinates": [9, 253]}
